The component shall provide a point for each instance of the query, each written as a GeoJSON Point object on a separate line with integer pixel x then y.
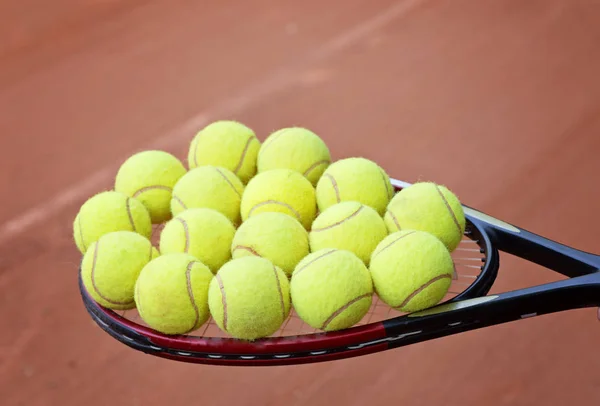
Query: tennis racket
{"type": "Point", "coordinates": [467, 307]}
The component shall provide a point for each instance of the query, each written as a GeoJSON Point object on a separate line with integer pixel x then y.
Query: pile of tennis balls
{"type": "Point", "coordinates": [251, 230]}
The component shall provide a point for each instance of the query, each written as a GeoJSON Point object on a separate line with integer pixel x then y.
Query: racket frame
{"type": "Point", "coordinates": [469, 310]}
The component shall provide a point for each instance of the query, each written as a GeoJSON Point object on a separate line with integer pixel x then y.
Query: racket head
{"type": "Point", "coordinates": [476, 262]}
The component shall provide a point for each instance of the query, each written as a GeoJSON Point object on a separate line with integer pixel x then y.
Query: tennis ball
{"type": "Point", "coordinates": [171, 293]}
{"type": "Point", "coordinates": [349, 226]}
{"type": "Point", "coordinates": [249, 298]}
{"type": "Point", "coordinates": [295, 148]}
{"type": "Point", "coordinates": [280, 190]}
{"type": "Point", "coordinates": [111, 266]}
{"type": "Point", "coordinates": [276, 236]}
{"type": "Point", "coordinates": [331, 289]}
{"type": "Point", "coordinates": [106, 212]}
{"type": "Point", "coordinates": [357, 179]}
{"type": "Point", "coordinates": [411, 270]}
{"type": "Point", "coordinates": [210, 187]}
{"type": "Point", "coordinates": [429, 207]}
{"type": "Point", "coordinates": [149, 176]}
{"type": "Point", "coordinates": [204, 233]}
{"type": "Point", "coordinates": [228, 144]}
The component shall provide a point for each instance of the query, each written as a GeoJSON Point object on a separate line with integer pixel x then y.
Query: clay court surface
{"type": "Point", "coordinates": [498, 100]}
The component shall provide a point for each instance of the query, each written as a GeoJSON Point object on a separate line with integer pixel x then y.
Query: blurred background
{"type": "Point", "coordinates": [498, 100]}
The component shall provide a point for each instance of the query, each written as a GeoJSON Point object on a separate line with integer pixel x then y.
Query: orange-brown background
{"type": "Point", "coordinates": [499, 100]}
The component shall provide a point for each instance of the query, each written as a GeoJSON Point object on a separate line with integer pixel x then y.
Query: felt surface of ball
{"type": "Point", "coordinates": [210, 187]}
{"type": "Point", "coordinates": [276, 236]}
{"type": "Point", "coordinates": [411, 270]}
{"type": "Point", "coordinates": [204, 233]}
{"type": "Point", "coordinates": [228, 144]}
{"type": "Point", "coordinates": [357, 179]}
{"type": "Point", "coordinates": [331, 289]}
{"type": "Point", "coordinates": [249, 298]}
{"type": "Point", "coordinates": [171, 293]}
{"type": "Point", "coordinates": [295, 148]}
{"type": "Point", "coordinates": [280, 190]}
{"type": "Point", "coordinates": [106, 212]}
{"type": "Point", "coordinates": [349, 226]}
{"type": "Point", "coordinates": [111, 266]}
{"type": "Point", "coordinates": [429, 207]}
{"type": "Point", "coordinates": [150, 176]}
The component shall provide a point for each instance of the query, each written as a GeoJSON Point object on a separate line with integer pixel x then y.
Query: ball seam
{"type": "Point", "coordinates": [188, 280]}
{"type": "Point", "coordinates": [394, 219]}
{"type": "Point", "coordinates": [245, 248]}
{"type": "Point", "coordinates": [92, 277]}
{"type": "Point", "coordinates": [81, 234]}
{"type": "Point", "coordinates": [385, 184]}
{"type": "Point", "coordinates": [454, 219]}
{"type": "Point", "coordinates": [228, 181]}
{"type": "Point", "coordinates": [341, 309]}
{"type": "Point", "coordinates": [339, 222]}
{"type": "Point", "coordinates": [272, 201]}
{"type": "Point", "coordinates": [421, 289]}
{"type": "Point", "coordinates": [392, 243]}
{"type": "Point", "coordinates": [275, 137]}
{"type": "Point", "coordinates": [335, 187]}
{"type": "Point", "coordinates": [151, 187]}
{"type": "Point", "coordinates": [186, 233]}
{"type": "Point", "coordinates": [297, 271]}
{"type": "Point", "coordinates": [223, 300]}
{"type": "Point", "coordinates": [244, 152]}
{"type": "Point", "coordinates": [315, 165]}
{"type": "Point", "coordinates": [127, 204]}
{"type": "Point", "coordinates": [178, 200]}
{"type": "Point", "coordinates": [138, 300]}
{"type": "Point", "coordinates": [280, 294]}
{"type": "Point", "coordinates": [196, 143]}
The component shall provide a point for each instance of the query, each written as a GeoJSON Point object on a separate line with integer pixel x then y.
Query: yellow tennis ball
{"type": "Point", "coordinates": [111, 266]}
{"type": "Point", "coordinates": [349, 226]}
{"type": "Point", "coordinates": [295, 148]}
{"type": "Point", "coordinates": [171, 293]}
{"type": "Point", "coordinates": [204, 233]}
{"type": "Point", "coordinates": [411, 270]}
{"type": "Point", "coordinates": [429, 207]}
{"type": "Point", "coordinates": [357, 179]}
{"type": "Point", "coordinates": [106, 212]}
{"type": "Point", "coordinates": [276, 236]}
{"type": "Point", "coordinates": [331, 289]}
{"type": "Point", "coordinates": [280, 190]}
{"type": "Point", "coordinates": [249, 298]}
{"type": "Point", "coordinates": [228, 144]}
{"type": "Point", "coordinates": [210, 187]}
{"type": "Point", "coordinates": [149, 176]}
